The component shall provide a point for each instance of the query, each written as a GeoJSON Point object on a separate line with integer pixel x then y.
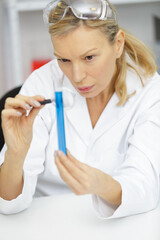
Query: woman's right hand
{"type": "Point", "coordinates": [16, 125]}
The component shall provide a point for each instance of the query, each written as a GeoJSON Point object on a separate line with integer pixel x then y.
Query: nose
{"type": "Point", "coordinates": [78, 72]}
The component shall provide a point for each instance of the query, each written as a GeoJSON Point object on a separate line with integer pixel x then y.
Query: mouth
{"type": "Point", "coordinates": [85, 89]}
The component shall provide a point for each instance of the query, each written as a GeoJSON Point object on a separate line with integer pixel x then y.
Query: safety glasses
{"type": "Point", "coordinates": [82, 9]}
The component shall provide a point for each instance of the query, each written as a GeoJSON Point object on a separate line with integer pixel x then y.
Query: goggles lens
{"type": "Point", "coordinates": [82, 9]}
{"type": "Point", "coordinates": [86, 9]}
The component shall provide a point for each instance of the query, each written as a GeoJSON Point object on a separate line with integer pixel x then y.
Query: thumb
{"type": "Point", "coordinates": [33, 113]}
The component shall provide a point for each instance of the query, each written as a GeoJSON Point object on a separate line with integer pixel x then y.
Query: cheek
{"type": "Point", "coordinates": [105, 69]}
{"type": "Point", "coordinates": [65, 69]}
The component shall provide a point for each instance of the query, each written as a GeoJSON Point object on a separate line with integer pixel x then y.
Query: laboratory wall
{"type": "Point", "coordinates": [35, 40]}
{"type": "Point", "coordinates": [139, 19]}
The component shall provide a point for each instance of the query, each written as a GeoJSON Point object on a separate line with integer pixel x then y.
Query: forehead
{"type": "Point", "coordinates": [79, 40]}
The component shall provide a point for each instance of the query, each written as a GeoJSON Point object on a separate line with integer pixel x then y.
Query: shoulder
{"type": "Point", "coordinates": [134, 82]}
{"type": "Point", "coordinates": [42, 80]}
{"type": "Point", "coordinates": [150, 86]}
{"type": "Point", "coordinates": [151, 89]}
{"type": "Point", "coordinates": [146, 99]}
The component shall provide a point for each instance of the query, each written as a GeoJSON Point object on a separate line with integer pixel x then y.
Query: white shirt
{"type": "Point", "coordinates": [125, 143]}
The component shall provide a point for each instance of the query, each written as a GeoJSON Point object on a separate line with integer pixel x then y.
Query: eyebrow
{"type": "Point", "coordinates": [84, 54]}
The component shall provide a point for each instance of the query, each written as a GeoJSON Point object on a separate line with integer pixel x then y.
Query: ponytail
{"type": "Point", "coordinates": [142, 62]}
{"type": "Point", "coordinates": [140, 54]}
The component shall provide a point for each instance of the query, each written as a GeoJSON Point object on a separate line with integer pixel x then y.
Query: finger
{"type": "Point", "coordinates": [33, 101]}
{"type": "Point", "coordinates": [10, 113]}
{"type": "Point", "coordinates": [23, 102]}
{"type": "Point", "coordinates": [16, 103]}
{"type": "Point", "coordinates": [35, 97]}
{"type": "Point", "coordinates": [23, 111]}
{"type": "Point", "coordinates": [73, 184]}
{"type": "Point", "coordinates": [33, 113]}
{"type": "Point", "coordinates": [19, 112]}
{"type": "Point", "coordinates": [74, 169]}
{"type": "Point", "coordinates": [81, 165]}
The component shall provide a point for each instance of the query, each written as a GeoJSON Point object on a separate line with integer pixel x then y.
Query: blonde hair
{"type": "Point", "coordinates": [141, 56]}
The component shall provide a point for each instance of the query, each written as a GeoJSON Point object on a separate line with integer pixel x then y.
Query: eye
{"type": "Point", "coordinates": [63, 60]}
{"type": "Point", "coordinates": [90, 57]}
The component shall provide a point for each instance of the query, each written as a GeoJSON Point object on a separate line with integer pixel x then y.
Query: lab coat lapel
{"type": "Point", "coordinates": [79, 118]}
{"type": "Point", "coordinates": [111, 115]}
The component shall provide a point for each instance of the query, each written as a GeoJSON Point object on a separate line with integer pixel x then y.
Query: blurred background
{"type": "Point", "coordinates": [25, 43]}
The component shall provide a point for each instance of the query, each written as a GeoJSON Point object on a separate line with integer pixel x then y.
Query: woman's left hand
{"type": "Point", "coordinates": [81, 178]}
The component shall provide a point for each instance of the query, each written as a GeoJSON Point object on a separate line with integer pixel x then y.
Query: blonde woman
{"type": "Point", "coordinates": [112, 118]}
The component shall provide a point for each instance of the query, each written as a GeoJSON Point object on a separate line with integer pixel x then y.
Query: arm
{"type": "Point", "coordinates": [113, 192]}
{"type": "Point", "coordinates": [139, 172]}
{"type": "Point", "coordinates": [11, 176]}
{"type": "Point", "coordinates": [17, 129]}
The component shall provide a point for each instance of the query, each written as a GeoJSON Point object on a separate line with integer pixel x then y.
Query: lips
{"type": "Point", "coordinates": [85, 89]}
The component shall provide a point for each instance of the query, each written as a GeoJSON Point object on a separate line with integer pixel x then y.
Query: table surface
{"type": "Point", "coordinates": [70, 217]}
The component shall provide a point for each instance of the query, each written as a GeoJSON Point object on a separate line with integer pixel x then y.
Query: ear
{"type": "Point", "coordinates": [120, 40]}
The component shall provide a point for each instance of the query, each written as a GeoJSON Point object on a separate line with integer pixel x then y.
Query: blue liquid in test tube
{"type": "Point", "coordinates": [60, 122]}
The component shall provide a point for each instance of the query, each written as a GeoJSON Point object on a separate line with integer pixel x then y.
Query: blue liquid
{"type": "Point", "coordinates": [60, 122]}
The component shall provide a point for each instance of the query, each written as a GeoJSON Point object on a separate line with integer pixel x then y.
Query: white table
{"type": "Point", "coordinates": [70, 217]}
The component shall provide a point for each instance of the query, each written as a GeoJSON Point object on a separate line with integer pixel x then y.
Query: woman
{"type": "Point", "coordinates": [112, 119]}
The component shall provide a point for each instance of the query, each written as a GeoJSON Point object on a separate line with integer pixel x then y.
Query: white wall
{"type": "Point", "coordinates": [139, 20]}
{"type": "Point", "coordinates": [35, 41]}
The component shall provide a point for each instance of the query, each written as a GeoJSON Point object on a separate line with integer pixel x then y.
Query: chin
{"type": "Point", "coordinates": [88, 94]}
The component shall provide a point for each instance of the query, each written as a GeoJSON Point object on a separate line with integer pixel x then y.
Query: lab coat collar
{"type": "Point", "coordinates": [79, 116]}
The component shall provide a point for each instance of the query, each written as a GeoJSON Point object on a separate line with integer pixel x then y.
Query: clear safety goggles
{"type": "Point", "coordinates": [82, 9]}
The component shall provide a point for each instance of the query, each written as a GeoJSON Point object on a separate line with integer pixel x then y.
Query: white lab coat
{"type": "Point", "coordinates": [125, 143]}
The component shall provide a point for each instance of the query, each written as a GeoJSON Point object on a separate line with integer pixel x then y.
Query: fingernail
{"type": "Point", "coordinates": [59, 153]}
{"type": "Point", "coordinates": [55, 154]}
{"type": "Point", "coordinates": [18, 114]}
{"type": "Point", "coordinates": [37, 104]}
{"type": "Point", "coordinates": [27, 106]}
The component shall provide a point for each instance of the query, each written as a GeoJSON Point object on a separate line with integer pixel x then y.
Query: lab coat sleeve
{"type": "Point", "coordinates": [139, 173]}
{"type": "Point", "coordinates": [33, 166]}
{"type": "Point", "coordinates": [34, 161]}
